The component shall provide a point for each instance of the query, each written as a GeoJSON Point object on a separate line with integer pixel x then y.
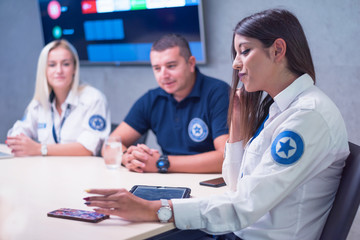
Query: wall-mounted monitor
{"type": "Point", "coordinates": [122, 31]}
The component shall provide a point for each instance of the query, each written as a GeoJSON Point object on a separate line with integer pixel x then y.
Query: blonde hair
{"type": "Point", "coordinates": [42, 87]}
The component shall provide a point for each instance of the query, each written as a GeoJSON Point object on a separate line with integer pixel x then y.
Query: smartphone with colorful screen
{"type": "Point", "coordinates": [78, 215]}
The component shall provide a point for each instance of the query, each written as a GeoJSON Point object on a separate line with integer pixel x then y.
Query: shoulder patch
{"type": "Point", "coordinates": [97, 122]}
{"type": "Point", "coordinates": [287, 148]}
{"type": "Point", "coordinates": [198, 130]}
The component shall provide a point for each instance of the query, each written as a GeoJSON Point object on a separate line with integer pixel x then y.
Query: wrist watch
{"type": "Point", "coordinates": [44, 149]}
{"type": "Point", "coordinates": [165, 212]}
{"type": "Point", "coordinates": [163, 164]}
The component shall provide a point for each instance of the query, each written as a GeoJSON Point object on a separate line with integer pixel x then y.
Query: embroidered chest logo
{"type": "Point", "coordinates": [41, 125]}
{"type": "Point", "coordinates": [97, 122]}
{"type": "Point", "coordinates": [287, 148]}
{"type": "Point", "coordinates": [198, 130]}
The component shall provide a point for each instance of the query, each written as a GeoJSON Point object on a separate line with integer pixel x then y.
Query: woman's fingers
{"type": "Point", "coordinates": [105, 192]}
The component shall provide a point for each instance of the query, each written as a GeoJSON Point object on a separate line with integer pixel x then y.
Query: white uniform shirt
{"type": "Point", "coordinates": [282, 184]}
{"type": "Point", "coordinates": [87, 121]}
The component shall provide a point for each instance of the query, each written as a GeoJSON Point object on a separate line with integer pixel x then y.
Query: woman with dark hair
{"type": "Point", "coordinates": [286, 149]}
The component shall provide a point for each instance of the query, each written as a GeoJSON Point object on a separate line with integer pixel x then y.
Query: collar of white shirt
{"type": "Point", "coordinates": [287, 96]}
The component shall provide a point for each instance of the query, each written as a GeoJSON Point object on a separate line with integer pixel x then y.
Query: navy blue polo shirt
{"type": "Point", "coordinates": [187, 127]}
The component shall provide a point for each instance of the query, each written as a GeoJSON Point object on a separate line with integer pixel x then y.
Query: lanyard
{"type": "Point", "coordinates": [66, 114]}
{"type": "Point", "coordinates": [256, 134]}
{"type": "Point", "coordinates": [259, 129]}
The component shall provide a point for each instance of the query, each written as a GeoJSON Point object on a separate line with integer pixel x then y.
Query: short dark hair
{"type": "Point", "coordinates": [173, 40]}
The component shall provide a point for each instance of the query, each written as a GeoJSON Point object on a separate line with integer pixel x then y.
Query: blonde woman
{"type": "Point", "coordinates": [64, 116]}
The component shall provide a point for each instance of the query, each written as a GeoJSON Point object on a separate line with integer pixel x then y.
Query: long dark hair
{"type": "Point", "coordinates": [267, 26]}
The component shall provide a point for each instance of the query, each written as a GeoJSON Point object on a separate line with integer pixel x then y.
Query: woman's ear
{"type": "Point", "coordinates": [279, 47]}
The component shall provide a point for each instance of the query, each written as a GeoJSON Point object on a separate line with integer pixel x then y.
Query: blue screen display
{"type": "Point", "coordinates": [121, 31]}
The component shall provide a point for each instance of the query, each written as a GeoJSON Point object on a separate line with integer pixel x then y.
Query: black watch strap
{"type": "Point", "coordinates": [163, 164]}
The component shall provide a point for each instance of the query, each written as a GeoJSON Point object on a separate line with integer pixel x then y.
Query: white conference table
{"type": "Point", "coordinates": [30, 187]}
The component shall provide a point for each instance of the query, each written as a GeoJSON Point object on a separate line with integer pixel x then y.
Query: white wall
{"type": "Point", "coordinates": [332, 28]}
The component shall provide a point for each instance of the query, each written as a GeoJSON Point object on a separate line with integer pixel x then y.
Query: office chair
{"type": "Point", "coordinates": [142, 139]}
{"type": "Point", "coordinates": [347, 199]}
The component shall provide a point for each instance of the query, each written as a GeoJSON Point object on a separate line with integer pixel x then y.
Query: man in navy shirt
{"type": "Point", "coordinates": [187, 113]}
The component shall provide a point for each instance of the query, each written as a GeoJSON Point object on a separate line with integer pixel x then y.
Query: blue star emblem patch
{"type": "Point", "coordinates": [97, 122]}
{"type": "Point", "coordinates": [198, 130]}
{"type": "Point", "coordinates": [287, 148]}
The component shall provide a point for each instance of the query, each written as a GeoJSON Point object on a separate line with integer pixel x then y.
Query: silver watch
{"type": "Point", "coordinates": [165, 212]}
{"type": "Point", "coordinates": [44, 150]}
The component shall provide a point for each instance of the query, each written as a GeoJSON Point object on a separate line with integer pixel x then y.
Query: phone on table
{"type": "Point", "coordinates": [216, 182]}
{"type": "Point", "coordinates": [152, 193]}
{"type": "Point", "coordinates": [78, 215]}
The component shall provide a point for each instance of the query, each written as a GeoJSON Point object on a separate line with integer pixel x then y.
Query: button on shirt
{"type": "Point", "coordinates": [88, 120]}
{"type": "Point", "coordinates": [282, 184]}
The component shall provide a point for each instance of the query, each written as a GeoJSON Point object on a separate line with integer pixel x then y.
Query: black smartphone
{"type": "Point", "coordinates": [78, 215]}
{"type": "Point", "coordinates": [216, 182]}
{"type": "Point", "coordinates": [159, 192]}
